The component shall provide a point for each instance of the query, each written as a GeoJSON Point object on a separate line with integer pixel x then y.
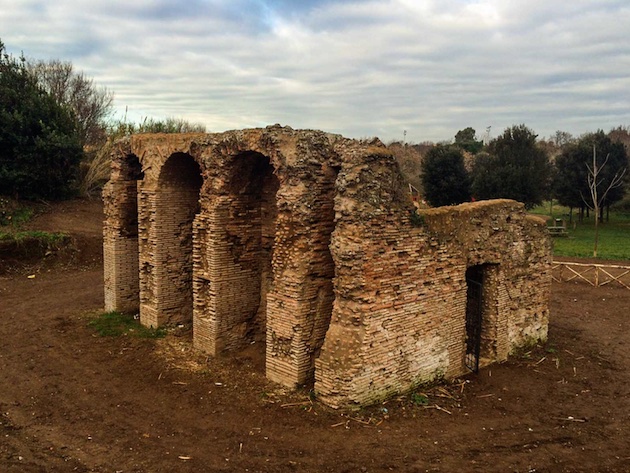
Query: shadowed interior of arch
{"type": "Point", "coordinates": [252, 230]}
{"type": "Point", "coordinates": [177, 203]}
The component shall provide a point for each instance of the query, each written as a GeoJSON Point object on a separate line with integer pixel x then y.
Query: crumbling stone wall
{"type": "Point", "coordinates": [304, 241]}
{"type": "Point", "coordinates": [402, 321]}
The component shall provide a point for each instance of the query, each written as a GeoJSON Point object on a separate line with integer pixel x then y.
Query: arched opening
{"type": "Point", "coordinates": [474, 316]}
{"type": "Point", "coordinates": [132, 169]}
{"type": "Point", "coordinates": [240, 249]}
{"type": "Point", "coordinates": [132, 173]}
{"type": "Point", "coordinates": [264, 277]}
{"type": "Point", "coordinates": [254, 187]}
{"type": "Point", "coordinates": [176, 204]}
{"type": "Point", "coordinates": [322, 269]}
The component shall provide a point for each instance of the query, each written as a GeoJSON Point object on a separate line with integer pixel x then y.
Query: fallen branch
{"type": "Point", "coordinates": [361, 421]}
{"type": "Point", "coordinates": [446, 394]}
{"type": "Point", "coordinates": [571, 419]}
{"type": "Point", "coordinates": [435, 406]}
{"type": "Point", "coordinates": [294, 404]}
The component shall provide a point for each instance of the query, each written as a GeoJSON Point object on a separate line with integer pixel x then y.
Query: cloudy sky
{"type": "Point", "coordinates": [359, 68]}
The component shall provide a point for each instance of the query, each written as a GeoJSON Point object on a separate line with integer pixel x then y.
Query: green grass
{"type": "Point", "coordinates": [45, 237]}
{"type": "Point", "coordinates": [17, 217]}
{"type": "Point", "coordinates": [13, 214]}
{"type": "Point", "coordinates": [614, 235]}
{"type": "Point", "coordinates": [115, 324]}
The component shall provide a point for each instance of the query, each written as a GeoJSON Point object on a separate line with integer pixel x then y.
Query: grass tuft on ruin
{"type": "Point", "coordinates": [116, 324]}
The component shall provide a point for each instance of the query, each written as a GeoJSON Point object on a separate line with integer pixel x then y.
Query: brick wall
{"type": "Point", "coordinates": [304, 241]}
{"type": "Point", "coordinates": [400, 311]}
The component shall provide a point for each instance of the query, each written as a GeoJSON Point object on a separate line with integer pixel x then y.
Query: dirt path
{"type": "Point", "coordinates": [71, 401]}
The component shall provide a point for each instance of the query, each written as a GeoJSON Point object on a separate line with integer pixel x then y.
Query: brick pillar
{"type": "Point", "coordinates": [299, 306]}
{"type": "Point", "coordinates": [166, 259]}
{"type": "Point", "coordinates": [147, 244]}
{"type": "Point", "coordinates": [227, 277]}
{"type": "Point", "coordinates": [120, 246]}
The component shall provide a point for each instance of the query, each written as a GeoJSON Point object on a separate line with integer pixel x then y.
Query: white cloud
{"type": "Point", "coordinates": [360, 68]}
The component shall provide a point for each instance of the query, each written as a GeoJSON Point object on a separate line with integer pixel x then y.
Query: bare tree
{"type": "Point", "coordinates": [91, 104]}
{"type": "Point", "coordinates": [597, 195]}
{"type": "Point", "coordinates": [561, 138]}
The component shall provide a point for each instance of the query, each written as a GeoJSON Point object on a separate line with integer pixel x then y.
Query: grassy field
{"type": "Point", "coordinates": [614, 235]}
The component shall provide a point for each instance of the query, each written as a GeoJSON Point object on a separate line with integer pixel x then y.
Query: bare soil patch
{"type": "Point", "coordinates": [72, 401]}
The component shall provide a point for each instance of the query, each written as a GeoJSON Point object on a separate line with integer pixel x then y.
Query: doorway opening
{"type": "Point", "coordinates": [483, 327]}
{"type": "Point", "coordinates": [474, 316]}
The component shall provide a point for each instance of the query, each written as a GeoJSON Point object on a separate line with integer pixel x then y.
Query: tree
{"type": "Point", "coordinates": [515, 167]}
{"type": "Point", "coordinates": [622, 135]}
{"type": "Point", "coordinates": [562, 138]}
{"type": "Point", "coordinates": [571, 182]}
{"type": "Point", "coordinates": [599, 189]}
{"type": "Point", "coordinates": [91, 104]}
{"type": "Point", "coordinates": [444, 177]}
{"type": "Point", "coordinates": [40, 147]}
{"type": "Point", "coordinates": [466, 140]}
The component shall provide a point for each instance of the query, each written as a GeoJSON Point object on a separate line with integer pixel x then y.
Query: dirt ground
{"type": "Point", "coordinates": [72, 401]}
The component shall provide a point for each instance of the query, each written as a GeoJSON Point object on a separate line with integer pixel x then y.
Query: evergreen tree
{"type": "Point", "coordinates": [444, 177]}
{"type": "Point", "coordinates": [515, 167]}
{"type": "Point", "coordinates": [571, 182]}
{"type": "Point", "coordinates": [466, 140]}
{"type": "Point", "coordinates": [40, 148]}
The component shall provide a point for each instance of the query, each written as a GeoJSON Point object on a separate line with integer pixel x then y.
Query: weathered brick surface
{"type": "Point", "coordinates": [402, 322]}
{"type": "Point", "coordinates": [304, 241]}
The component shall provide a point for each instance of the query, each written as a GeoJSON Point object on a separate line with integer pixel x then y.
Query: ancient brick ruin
{"type": "Point", "coordinates": [305, 242]}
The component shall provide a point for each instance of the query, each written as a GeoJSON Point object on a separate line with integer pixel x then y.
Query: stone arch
{"type": "Point", "coordinates": [234, 273]}
{"type": "Point", "coordinates": [131, 172]}
{"type": "Point", "coordinates": [264, 271]}
{"type": "Point", "coordinates": [166, 290]}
